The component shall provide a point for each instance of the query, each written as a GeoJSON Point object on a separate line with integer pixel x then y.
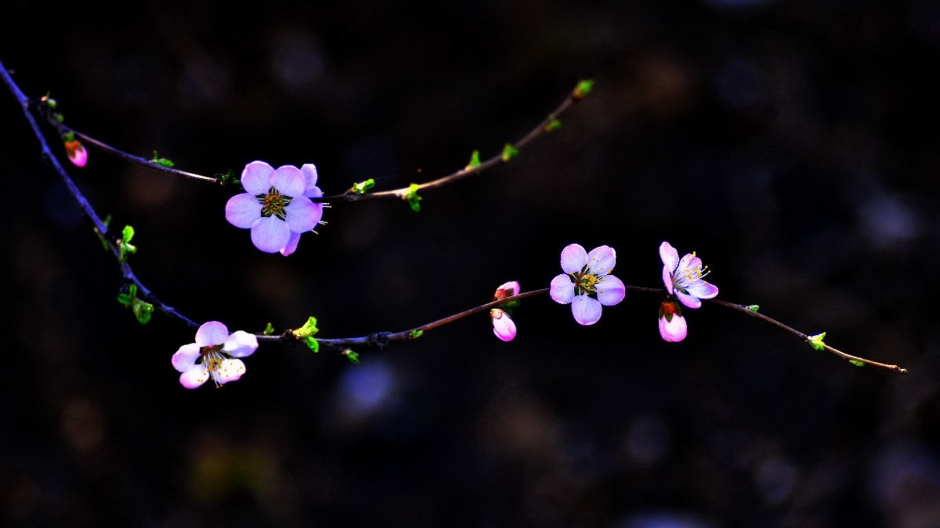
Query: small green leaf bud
{"type": "Point", "coordinates": [857, 363]}
{"type": "Point", "coordinates": [553, 125]}
{"type": "Point", "coordinates": [415, 334]}
{"type": "Point", "coordinates": [312, 344]}
{"type": "Point", "coordinates": [362, 187]}
{"type": "Point", "coordinates": [308, 329]}
{"type": "Point", "coordinates": [509, 152]}
{"type": "Point", "coordinates": [816, 341]}
{"type": "Point", "coordinates": [163, 162]}
{"type": "Point", "coordinates": [268, 329]}
{"type": "Point", "coordinates": [351, 356]}
{"type": "Point", "coordinates": [412, 197]}
{"type": "Point", "coordinates": [584, 88]}
{"type": "Point", "coordinates": [753, 307]}
{"type": "Point", "coordinates": [474, 160]}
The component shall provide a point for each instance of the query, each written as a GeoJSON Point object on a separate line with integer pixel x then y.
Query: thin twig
{"type": "Point", "coordinates": [544, 126]}
{"type": "Point", "coordinates": [83, 203]}
{"type": "Point", "coordinates": [130, 158]}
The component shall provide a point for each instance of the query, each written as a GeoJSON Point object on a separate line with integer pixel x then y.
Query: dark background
{"type": "Point", "coordinates": [793, 144]}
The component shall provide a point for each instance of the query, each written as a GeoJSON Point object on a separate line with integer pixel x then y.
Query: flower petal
{"type": "Point", "coordinates": [673, 331]}
{"type": "Point", "coordinates": [270, 234]}
{"type": "Point", "coordinates": [586, 310]}
{"type": "Point", "coordinates": [669, 255]}
{"type": "Point", "coordinates": [508, 289]}
{"type": "Point", "coordinates": [562, 290]}
{"type": "Point", "coordinates": [240, 344]}
{"type": "Point", "coordinates": [610, 290]}
{"type": "Point", "coordinates": [185, 358]}
{"type": "Point", "coordinates": [309, 171]}
{"type": "Point", "coordinates": [291, 244]}
{"type": "Point", "coordinates": [194, 377]}
{"type": "Point", "coordinates": [667, 279]}
{"type": "Point", "coordinates": [302, 215]}
{"type": "Point", "coordinates": [242, 210]}
{"type": "Point", "coordinates": [689, 300]}
{"type": "Point", "coordinates": [256, 177]}
{"type": "Point", "coordinates": [503, 326]}
{"type": "Point", "coordinates": [602, 260]}
{"type": "Point", "coordinates": [702, 289]}
{"type": "Point", "coordinates": [229, 370]}
{"type": "Point", "coordinates": [573, 258]}
{"type": "Point", "coordinates": [289, 181]}
{"type": "Point", "coordinates": [211, 334]}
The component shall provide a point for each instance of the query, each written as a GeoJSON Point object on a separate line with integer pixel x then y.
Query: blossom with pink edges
{"type": "Point", "coordinates": [76, 153]}
{"type": "Point", "coordinates": [683, 277]}
{"type": "Point", "coordinates": [276, 205]}
{"type": "Point", "coordinates": [672, 325]}
{"type": "Point", "coordinates": [586, 283]}
{"type": "Point", "coordinates": [212, 355]}
{"type": "Point", "coordinates": [503, 326]}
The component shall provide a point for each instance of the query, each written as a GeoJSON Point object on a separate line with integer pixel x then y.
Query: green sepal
{"type": "Point", "coordinates": [163, 162]}
{"type": "Point", "coordinates": [268, 329]}
{"type": "Point", "coordinates": [584, 88]}
{"type": "Point", "coordinates": [753, 307]}
{"type": "Point", "coordinates": [474, 160]}
{"type": "Point", "coordinates": [816, 341]}
{"type": "Point", "coordinates": [669, 317]}
{"type": "Point", "coordinates": [362, 187]}
{"type": "Point", "coordinates": [308, 329]}
{"type": "Point", "coordinates": [553, 125]}
{"type": "Point", "coordinates": [312, 344]}
{"type": "Point", "coordinates": [857, 363]}
{"type": "Point", "coordinates": [509, 152]}
{"type": "Point", "coordinates": [226, 178]}
{"type": "Point", "coordinates": [124, 245]}
{"type": "Point", "coordinates": [351, 356]}
{"type": "Point", "coordinates": [68, 136]}
{"type": "Point", "coordinates": [412, 197]}
{"type": "Point", "coordinates": [415, 334]}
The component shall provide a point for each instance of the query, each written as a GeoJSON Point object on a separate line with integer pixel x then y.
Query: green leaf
{"type": "Point", "coordinates": [104, 241]}
{"type": "Point", "coordinates": [753, 307]}
{"type": "Point", "coordinates": [163, 162]}
{"type": "Point", "coordinates": [474, 160]}
{"type": "Point", "coordinates": [362, 187]}
{"type": "Point", "coordinates": [553, 125]}
{"type": "Point", "coordinates": [584, 88]}
{"type": "Point", "coordinates": [351, 356]}
{"type": "Point", "coordinates": [510, 304]}
{"type": "Point", "coordinates": [143, 311]}
{"type": "Point", "coordinates": [857, 363]}
{"type": "Point", "coordinates": [58, 117]}
{"type": "Point", "coordinates": [68, 136]}
{"type": "Point", "coordinates": [127, 298]}
{"type": "Point", "coordinates": [124, 244]}
{"type": "Point", "coordinates": [308, 329]}
{"type": "Point", "coordinates": [412, 197]}
{"type": "Point", "coordinates": [312, 344]}
{"type": "Point", "coordinates": [816, 341]}
{"type": "Point", "coordinates": [415, 334]}
{"type": "Point", "coordinates": [509, 152]}
{"type": "Point", "coordinates": [269, 329]}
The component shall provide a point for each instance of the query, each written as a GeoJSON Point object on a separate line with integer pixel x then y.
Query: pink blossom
{"type": "Point", "coordinates": [211, 355]}
{"type": "Point", "coordinates": [503, 326]}
{"type": "Point", "coordinates": [586, 283]}
{"type": "Point", "coordinates": [76, 153]}
{"type": "Point", "coordinates": [683, 278]}
{"type": "Point", "coordinates": [672, 325]}
{"type": "Point", "coordinates": [276, 205]}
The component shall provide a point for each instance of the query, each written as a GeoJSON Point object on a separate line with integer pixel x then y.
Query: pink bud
{"type": "Point", "coordinates": [76, 153]}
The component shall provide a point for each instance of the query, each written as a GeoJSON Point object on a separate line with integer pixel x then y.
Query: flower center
{"type": "Point", "coordinates": [212, 358]}
{"type": "Point", "coordinates": [585, 282]}
{"type": "Point", "coordinates": [273, 203]}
